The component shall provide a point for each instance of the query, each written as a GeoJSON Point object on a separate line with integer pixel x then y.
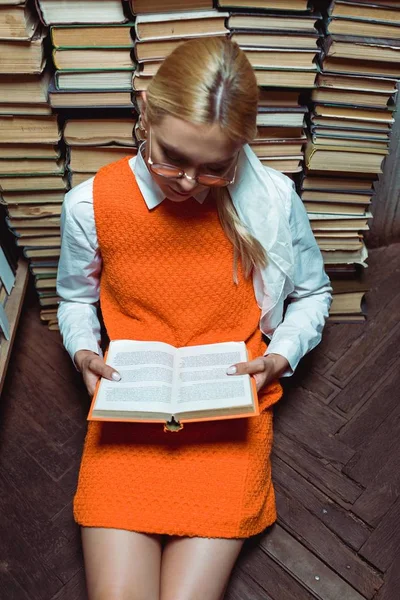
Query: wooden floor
{"type": "Point", "coordinates": [336, 465]}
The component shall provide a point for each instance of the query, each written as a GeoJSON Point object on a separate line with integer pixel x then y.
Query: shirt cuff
{"type": "Point", "coordinates": [82, 344]}
{"type": "Point", "coordinates": [287, 349]}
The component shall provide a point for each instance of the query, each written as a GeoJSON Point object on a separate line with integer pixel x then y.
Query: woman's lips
{"type": "Point", "coordinates": [180, 193]}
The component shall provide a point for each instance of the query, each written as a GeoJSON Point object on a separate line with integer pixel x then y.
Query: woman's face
{"type": "Point", "coordinates": [193, 148]}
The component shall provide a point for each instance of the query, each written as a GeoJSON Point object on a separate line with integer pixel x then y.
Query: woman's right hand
{"type": "Point", "coordinates": [92, 367]}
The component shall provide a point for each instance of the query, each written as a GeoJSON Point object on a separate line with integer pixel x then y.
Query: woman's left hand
{"type": "Point", "coordinates": [264, 368]}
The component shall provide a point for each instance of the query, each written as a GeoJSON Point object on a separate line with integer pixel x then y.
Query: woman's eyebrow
{"type": "Point", "coordinates": [185, 158]}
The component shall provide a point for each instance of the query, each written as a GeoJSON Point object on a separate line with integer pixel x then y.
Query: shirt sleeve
{"type": "Point", "coordinates": [78, 275]}
{"type": "Point", "coordinates": [309, 303]}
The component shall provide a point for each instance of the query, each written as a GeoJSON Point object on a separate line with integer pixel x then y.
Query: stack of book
{"type": "Point", "coordinates": [280, 131]}
{"type": "Point", "coordinates": [350, 126]}
{"type": "Point", "coordinates": [93, 143]}
{"type": "Point", "coordinates": [282, 48]}
{"type": "Point", "coordinates": [32, 184]}
{"type": "Point", "coordinates": [92, 53]}
{"type": "Point", "coordinates": [32, 187]}
{"type": "Point", "coordinates": [158, 34]}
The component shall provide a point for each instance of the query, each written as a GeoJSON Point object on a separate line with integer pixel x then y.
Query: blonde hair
{"type": "Point", "coordinates": [205, 81]}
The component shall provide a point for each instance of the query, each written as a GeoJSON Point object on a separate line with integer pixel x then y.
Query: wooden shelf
{"type": "Point", "coordinates": [13, 310]}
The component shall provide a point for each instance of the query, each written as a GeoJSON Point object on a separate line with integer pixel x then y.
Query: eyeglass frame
{"type": "Point", "coordinates": [183, 174]}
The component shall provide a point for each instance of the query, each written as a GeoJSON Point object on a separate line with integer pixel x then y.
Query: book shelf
{"type": "Point", "coordinates": [13, 311]}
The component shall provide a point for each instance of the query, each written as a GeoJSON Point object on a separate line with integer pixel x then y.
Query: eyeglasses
{"type": "Point", "coordinates": [173, 172]}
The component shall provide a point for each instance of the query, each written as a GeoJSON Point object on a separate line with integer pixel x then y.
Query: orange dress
{"type": "Point", "coordinates": [167, 276]}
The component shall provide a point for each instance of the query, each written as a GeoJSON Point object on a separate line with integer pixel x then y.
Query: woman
{"type": "Point", "coordinates": [193, 241]}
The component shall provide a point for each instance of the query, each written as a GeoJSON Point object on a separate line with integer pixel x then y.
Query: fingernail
{"type": "Point", "coordinates": [231, 370]}
{"type": "Point", "coordinates": [115, 376]}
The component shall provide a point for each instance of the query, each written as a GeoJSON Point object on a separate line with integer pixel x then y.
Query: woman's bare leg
{"type": "Point", "coordinates": [121, 565]}
{"type": "Point", "coordinates": [195, 568]}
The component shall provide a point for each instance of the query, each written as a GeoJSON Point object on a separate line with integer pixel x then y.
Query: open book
{"type": "Point", "coordinates": [161, 383]}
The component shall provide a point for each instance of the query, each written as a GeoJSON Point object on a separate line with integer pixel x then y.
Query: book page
{"type": "Point", "coordinates": [202, 380]}
{"type": "Point", "coordinates": [146, 370]}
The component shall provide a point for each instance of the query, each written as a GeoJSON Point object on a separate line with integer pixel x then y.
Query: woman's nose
{"type": "Point", "coordinates": [186, 184]}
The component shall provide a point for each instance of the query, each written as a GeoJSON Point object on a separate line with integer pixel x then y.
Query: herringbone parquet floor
{"type": "Point", "coordinates": [336, 465]}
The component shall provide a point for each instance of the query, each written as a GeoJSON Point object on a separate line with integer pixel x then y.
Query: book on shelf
{"type": "Point", "coordinates": [354, 113]}
{"type": "Point", "coordinates": [100, 81]}
{"type": "Point", "coordinates": [356, 98]}
{"type": "Point", "coordinates": [32, 129]}
{"type": "Point", "coordinates": [349, 134]}
{"type": "Point", "coordinates": [90, 132]}
{"type": "Point", "coordinates": [376, 11]}
{"type": "Point", "coordinates": [357, 82]}
{"type": "Point", "coordinates": [32, 184]}
{"type": "Point", "coordinates": [89, 99]}
{"type": "Point", "coordinates": [275, 40]}
{"type": "Point", "coordinates": [362, 48]}
{"type": "Point", "coordinates": [335, 184]}
{"type": "Point", "coordinates": [336, 208]}
{"type": "Point", "coordinates": [278, 133]}
{"type": "Point", "coordinates": [273, 22]}
{"type": "Point", "coordinates": [295, 5]}
{"type": "Point", "coordinates": [346, 66]}
{"type": "Point", "coordinates": [46, 284]}
{"type": "Point", "coordinates": [334, 123]}
{"type": "Point", "coordinates": [34, 227]}
{"type": "Point", "coordinates": [289, 78]}
{"type": "Point", "coordinates": [348, 306]}
{"type": "Point", "coordinates": [19, 57]}
{"type": "Point", "coordinates": [338, 224]}
{"type": "Point", "coordinates": [24, 89]}
{"type": "Point", "coordinates": [78, 178]}
{"type": "Point", "coordinates": [319, 140]}
{"type": "Point", "coordinates": [342, 196]}
{"type": "Point", "coordinates": [270, 116]}
{"type": "Point", "coordinates": [25, 211]}
{"type": "Point", "coordinates": [98, 59]}
{"type": "Point", "coordinates": [342, 158]}
{"type": "Point", "coordinates": [346, 256]}
{"type": "Point", "coordinates": [342, 26]}
{"type": "Point", "coordinates": [279, 98]}
{"type": "Point", "coordinates": [43, 262]}
{"type": "Point", "coordinates": [42, 271]}
{"type": "Point", "coordinates": [45, 314]}
{"type": "Point", "coordinates": [139, 7]}
{"type": "Point", "coordinates": [156, 50]}
{"type": "Point", "coordinates": [92, 36]}
{"type": "Point", "coordinates": [21, 150]}
{"type": "Point", "coordinates": [25, 109]}
{"type": "Point", "coordinates": [162, 383]}
{"type": "Point", "coordinates": [281, 58]}
{"type": "Point", "coordinates": [346, 240]}
{"type": "Point", "coordinates": [39, 242]}
{"type": "Point", "coordinates": [285, 164]}
{"type": "Point", "coordinates": [180, 25]}
{"type": "Point", "coordinates": [289, 147]}
{"type": "Point", "coordinates": [18, 21]}
{"type": "Point", "coordinates": [31, 166]}
{"type": "Point", "coordinates": [75, 11]}
{"type": "Point", "coordinates": [89, 159]}
{"type": "Point", "coordinates": [44, 252]}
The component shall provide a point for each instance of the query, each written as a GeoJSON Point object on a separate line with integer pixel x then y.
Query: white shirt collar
{"type": "Point", "coordinates": [151, 191]}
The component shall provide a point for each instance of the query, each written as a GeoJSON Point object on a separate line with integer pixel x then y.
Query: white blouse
{"type": "Point", "coordinates": [267, 203]}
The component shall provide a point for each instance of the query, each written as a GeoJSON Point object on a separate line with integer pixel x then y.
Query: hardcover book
{"type": "Point", "coordinates": [161, 383]}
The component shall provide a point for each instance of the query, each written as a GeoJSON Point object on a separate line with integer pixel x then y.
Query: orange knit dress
{"type": "Point", "coordinates": [167, 276]}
